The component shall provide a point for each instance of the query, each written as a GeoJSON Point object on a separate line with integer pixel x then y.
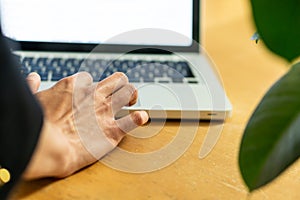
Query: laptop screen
{"type": "Point", "coordinates": [96, 21]}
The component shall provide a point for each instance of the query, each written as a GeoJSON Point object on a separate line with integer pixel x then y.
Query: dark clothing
{"type": "Point", "coordinates": [21, 119]}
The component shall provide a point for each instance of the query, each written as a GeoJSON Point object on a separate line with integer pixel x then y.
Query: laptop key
{"type": "Point", "coordinates": [164, 81]}
{"type": "Point", "coordinates": [56, 77]}
{"type": "Point", "coordinates": [193, 81]}
{"type": "Point", "coordinates": [24, 71]}
{"type": "Point", "coordinates": [77, 63]}
{"type": "Point", "coordinates": [134, 80]}
{"type": "Point", "coordinates": [27, 61]}
{"type": "Point", "coordinates": [41, 62]}
{"type": "Point", "coordinates": [136, 70]}
{"type": "Point", "coordinates": [148, 80]}
{"type": "Point", "coordinates": [177, 80]}
{"type": "Point", "coordinates": [44, 76]}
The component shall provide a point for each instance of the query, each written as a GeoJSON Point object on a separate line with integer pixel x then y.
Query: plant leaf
{"type": "Point", "coordinates": [271, 140]}
{"type": "Point", "coordinates": [278, 24]}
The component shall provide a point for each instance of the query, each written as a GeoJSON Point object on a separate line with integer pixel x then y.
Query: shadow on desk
{"type": "Point", "coordinates": [30, 187]}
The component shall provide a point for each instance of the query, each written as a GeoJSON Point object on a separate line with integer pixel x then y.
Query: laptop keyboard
{"type": "Point", "coordinates": [54, 69]}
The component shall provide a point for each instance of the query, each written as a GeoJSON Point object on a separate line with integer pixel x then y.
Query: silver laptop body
{"type": "Point", "coordinates": [174, 77]}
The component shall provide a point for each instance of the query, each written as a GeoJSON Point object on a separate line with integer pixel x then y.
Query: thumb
{"type": "Point", "coordinates": [34, 80]}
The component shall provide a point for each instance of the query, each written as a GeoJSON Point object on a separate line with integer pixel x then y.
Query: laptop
{"type": "Point", "coordinates": [156, 43]}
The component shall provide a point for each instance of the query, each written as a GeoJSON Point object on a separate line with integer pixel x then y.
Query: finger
{"type": "Point", "coordinates": [132, 121]}
{"type": "Point", "coordinates": [112, 83]}
{"type": "Point", "coordinates": [76, 81]}
{"type": "Point", "coordinates": [34, 81]}
{"type": "Point", "coordinates": [123, 97]}
{"type": "Point", "coordinates": [134, 98]}
{"type": "Point", "coordinates": [83, 89]}
{"type": "Point", "coordinates": [82, 79]}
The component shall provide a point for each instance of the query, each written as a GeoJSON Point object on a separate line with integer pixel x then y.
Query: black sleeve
{"type": "Point", "coordinates": [21, 119]}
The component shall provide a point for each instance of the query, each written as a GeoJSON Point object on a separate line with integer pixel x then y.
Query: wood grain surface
{"type": "Point", "coordinates": [247, 71]}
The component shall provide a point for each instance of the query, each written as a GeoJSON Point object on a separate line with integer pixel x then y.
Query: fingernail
{"type": "Point", "coordinates": [32, 75]}
{"type": "Point", "coordinates": [145, 116]}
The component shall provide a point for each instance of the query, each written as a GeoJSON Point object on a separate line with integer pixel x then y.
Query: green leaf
{"type": "Point", "coordinates": [278, 24]}
{"type": "Point", "coordinates": [271, 140]}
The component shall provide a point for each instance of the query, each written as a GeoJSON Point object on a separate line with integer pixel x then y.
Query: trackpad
{"type": "Point", "coordinates": [158, 96]}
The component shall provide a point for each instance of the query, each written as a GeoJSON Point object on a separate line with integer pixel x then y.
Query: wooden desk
{"type": "Point", "coordinates": [247, 70]}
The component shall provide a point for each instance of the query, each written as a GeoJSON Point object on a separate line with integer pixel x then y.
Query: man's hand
{"type": "Point", "coordinates": [79, 122]}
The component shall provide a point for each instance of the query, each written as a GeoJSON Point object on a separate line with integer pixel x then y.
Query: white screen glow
{"type": "Point", "coordinates": [94, 21]}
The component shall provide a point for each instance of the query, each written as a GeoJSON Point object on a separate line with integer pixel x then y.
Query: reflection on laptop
{"type": "Point", "coordinates": [154, 42]}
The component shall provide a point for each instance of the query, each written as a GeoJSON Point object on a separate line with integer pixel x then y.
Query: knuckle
{"type": "Point", "coordinates": [131, 88]}
{"type": "Point", "coordinates": [83, 79]}
{"type": "Point", "coordinates": [122, 76]}
{"type": "Point", "coordinates": [85, 75]}
{"type": "Point", "coordinates": [66, 82]}
{"type": "Point", "coordinates": [106, 106]}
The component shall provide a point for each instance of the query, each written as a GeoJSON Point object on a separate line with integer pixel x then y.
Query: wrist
{"type": "Point", "coordinates": [51, 155]}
